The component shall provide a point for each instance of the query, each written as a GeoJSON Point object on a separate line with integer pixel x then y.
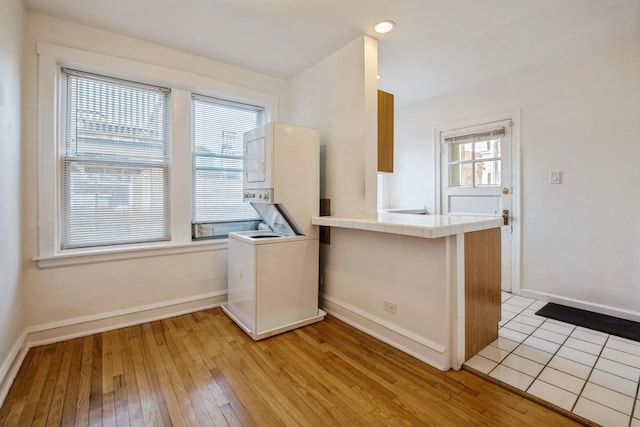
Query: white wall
{"type": "Point", "coordinates": [338, 96]}
{"type": "Point", "coordinates": [361, 269]}
{"type": "Point", "coordinates": [87, 292]}
{"type": "Point", "coordinates": [11, 317]}
{"type": "Point", "coordinates": [580, 114]}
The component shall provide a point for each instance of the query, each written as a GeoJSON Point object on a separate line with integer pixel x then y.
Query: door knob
{"type": "Point", "coordinates": [505, 190]}
{"type": "Point", "coordinates": [505, 217]}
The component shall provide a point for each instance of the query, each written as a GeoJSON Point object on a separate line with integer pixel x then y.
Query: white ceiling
{"type": "Point", "coordinates": [438, 45]}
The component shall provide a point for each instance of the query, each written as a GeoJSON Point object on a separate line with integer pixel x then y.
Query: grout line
{"type": "Point", "coordinates": [554, 354]}
{"type": "Point", "coordinates": [608, 407]}
{"type": "Point", "coordinates": [510, 352]}
{"type": "Point", "coordinates": [635, 402]}
{"type": "Point", "coordinates": [522, 343]}
{"type": "Point", "coordinates": [551, 358]}
{"type": "Point", "coordinates": [617, 361]}
{"type": "Point", "coordinates": [561, 345]}
{"type": "Point", "coordinates": [589, 376]}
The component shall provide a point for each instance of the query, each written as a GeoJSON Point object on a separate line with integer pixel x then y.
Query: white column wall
{"type": "Point", "coordinates": [338, 96]}
{"type": "Point", "coordinates": [580, 114]}
{"type": "Point", "coordinates": [11, 315]}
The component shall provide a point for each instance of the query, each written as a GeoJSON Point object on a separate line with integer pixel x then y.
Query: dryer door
{"type": "Point", "coordinates": [255, 162]}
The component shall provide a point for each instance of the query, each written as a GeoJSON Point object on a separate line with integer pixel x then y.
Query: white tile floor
{"type": "Point", "coordinates": [586, 372]}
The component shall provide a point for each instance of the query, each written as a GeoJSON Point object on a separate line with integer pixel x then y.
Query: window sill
{"type": "Point", "coordinates": [96, 255]}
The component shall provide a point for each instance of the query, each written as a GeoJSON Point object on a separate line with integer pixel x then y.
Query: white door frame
{"type": "Point", "coordinates": [516, 200]}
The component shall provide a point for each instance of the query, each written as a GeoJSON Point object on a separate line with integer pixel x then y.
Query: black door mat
{"type": "Point", "coordinates": [587, 319]}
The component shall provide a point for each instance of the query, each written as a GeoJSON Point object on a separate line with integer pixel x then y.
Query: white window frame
{"type": "Point", "coordinates": [51, 59]}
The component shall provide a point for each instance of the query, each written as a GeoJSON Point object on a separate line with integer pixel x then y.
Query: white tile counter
{"type": "Point", "coordinates": [426, 226]}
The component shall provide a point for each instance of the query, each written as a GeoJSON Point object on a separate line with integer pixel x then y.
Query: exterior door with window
{"type": "Point", "coordinates": [476, 179]}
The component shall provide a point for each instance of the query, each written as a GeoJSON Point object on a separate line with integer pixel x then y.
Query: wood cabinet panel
{"type": "Point", "coordinates": [482, 289]}
{"type": "Point", "coordinates": [385, 131]}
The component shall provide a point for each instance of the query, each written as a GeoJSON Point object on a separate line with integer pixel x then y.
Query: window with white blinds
{"type": "Point", "coordinates": [218, 127]}
{"type": "Point", "coordinates": [115, 161]}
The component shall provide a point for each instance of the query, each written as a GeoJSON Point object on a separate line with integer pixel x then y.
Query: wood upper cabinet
{"type": "Point", "coordinates": [385, 132]}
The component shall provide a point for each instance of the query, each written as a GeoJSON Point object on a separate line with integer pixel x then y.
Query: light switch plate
{"type": "Point", "coordinates": [554, 177]}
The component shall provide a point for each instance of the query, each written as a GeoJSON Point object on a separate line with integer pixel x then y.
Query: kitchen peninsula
{"type": "Point", "coordinates": [427, 284]}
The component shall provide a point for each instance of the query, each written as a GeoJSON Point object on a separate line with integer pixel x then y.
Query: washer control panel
{"type": "Point", "coordinates": [264, 195]}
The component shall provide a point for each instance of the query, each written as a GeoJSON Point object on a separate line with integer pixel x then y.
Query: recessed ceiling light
{"type": "Point", "coordinates": [384, 27]}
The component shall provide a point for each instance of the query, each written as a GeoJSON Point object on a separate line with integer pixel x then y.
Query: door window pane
{"type": "Point", "coordinates": [487, 173]}
{"type": "Point", "coordinates": [460, 175]}
{"type": "Point", "coordinates": [487, 149]}
{"type": "Point", "coordinates": [460, 151]}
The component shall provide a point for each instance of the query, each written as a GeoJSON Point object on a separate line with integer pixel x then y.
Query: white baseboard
{"type": "Point", "coordinates": [422, 348]}
{"type": "Point", "coordinates": [48, 333]}
{"type": "Point", "coordinates": [417, 346]}
{"type": "Point", "coordinates": [11, 365]}
{"type": "Point", "coordinates": [584, 305]}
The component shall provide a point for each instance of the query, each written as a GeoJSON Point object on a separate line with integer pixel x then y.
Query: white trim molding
{"type": "Point", "coordinates": [47, 333]}
{"type": "Point", "coordinates": [583, 305]}
{"type": "Point", "coordinates": [52, 332]}
{"type": "Point", "coordinates": [11, 365]}
{"type": "Point", "coordinates": [128, 252]}
{"type": "Point", "coordinates": [417, 346]}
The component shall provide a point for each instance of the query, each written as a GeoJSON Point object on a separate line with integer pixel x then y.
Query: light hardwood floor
{"type": "Point", "coordinates": [200, 369]}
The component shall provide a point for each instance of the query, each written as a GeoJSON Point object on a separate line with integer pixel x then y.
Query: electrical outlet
{"type": "Point", "coordinates": [389, 306]}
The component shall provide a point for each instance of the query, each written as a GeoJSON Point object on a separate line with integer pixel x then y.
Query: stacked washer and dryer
{"type": "Point", "coordinates": [273, 271]}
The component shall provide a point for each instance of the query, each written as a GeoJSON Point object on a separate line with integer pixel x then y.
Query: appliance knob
{"type": "Point", "coordinates": [265, 195]}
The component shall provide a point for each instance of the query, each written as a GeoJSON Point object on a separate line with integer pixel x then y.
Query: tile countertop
{"type": "Point", "coordinates": [425, 226]}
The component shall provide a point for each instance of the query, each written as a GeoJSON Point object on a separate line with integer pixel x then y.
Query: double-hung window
{"type": "Point", "coordinates": [115, 162]}
{"type": "Point", "coordinates": [217, 150]}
